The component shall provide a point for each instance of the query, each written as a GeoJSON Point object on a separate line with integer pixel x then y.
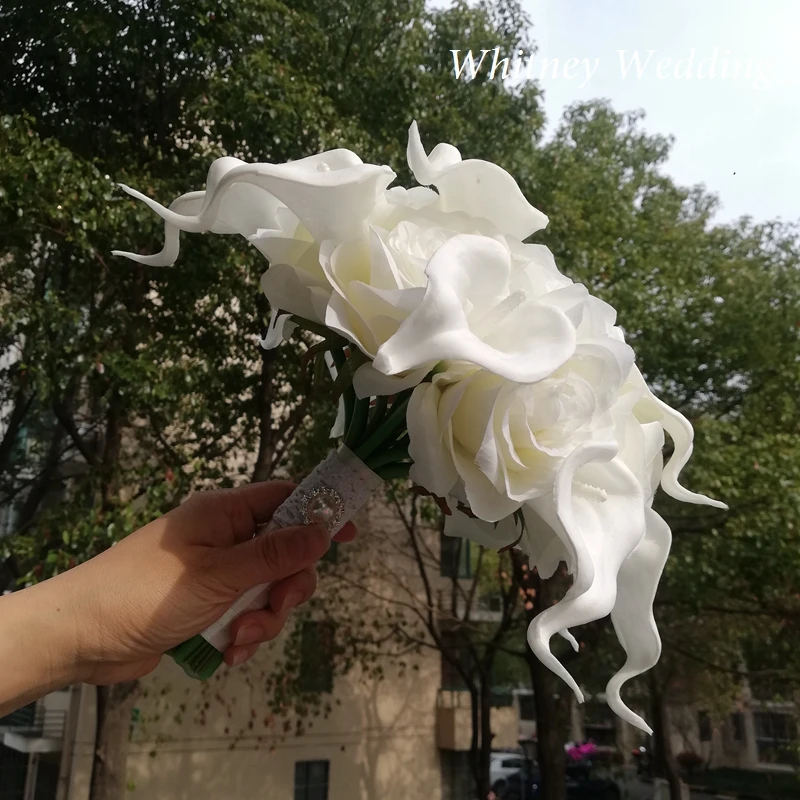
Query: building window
{"type": "Point", "coordinates": [21, 718]}
{"type": "Point", "coordinates": [502, 697]}
{"type": "Point", "coordinates": [455, 557]}
{"type": "Point", "coordinates": [316, 657]}
{"type": "Point", "coordinates": [311, 780]}
{"type": "Point", "coordinates": [453, 648]}
{"type": "Point", "coordinates": [704, 726]}
{"type": "Point", "coordinates": [776, 737]}
{"type": "Point", "coordinates": [527, 707]}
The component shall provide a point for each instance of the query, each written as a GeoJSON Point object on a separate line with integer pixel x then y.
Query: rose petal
{"type": "Point", "coordinates": [433, 465]}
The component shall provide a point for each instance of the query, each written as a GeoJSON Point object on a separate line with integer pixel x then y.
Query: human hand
{"type": "Point", "coordinates": [110, 619]}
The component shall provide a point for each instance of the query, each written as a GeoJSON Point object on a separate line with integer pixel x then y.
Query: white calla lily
{"type": "Point", "coordinates": [468, 313]}
{"type": "Point", "coordinates": [331, 194]}
{"type": "Point", "coordinates": [632, 614]}
{"type": "Point", "coordinates": [597, 510]}
{"type": "Point", "coordinates": [651, 408]}
{"type": "Point", "coordinates": [479, 188]}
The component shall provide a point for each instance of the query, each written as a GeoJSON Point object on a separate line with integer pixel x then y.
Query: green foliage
{"type": "Point", "coordinates": [713, 313]}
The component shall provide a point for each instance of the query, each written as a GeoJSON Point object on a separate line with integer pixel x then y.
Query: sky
{"type": "Point", "coordinates": [738, 135]}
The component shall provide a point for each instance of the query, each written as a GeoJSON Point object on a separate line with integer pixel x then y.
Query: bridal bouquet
{"type": "Point", "coordinates": [467, 362]}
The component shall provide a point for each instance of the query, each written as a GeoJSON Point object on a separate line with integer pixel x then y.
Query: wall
{"type": "Point", "coordinates": [216, 740]}
{"type": "Point", "coordinates": [379, 741]}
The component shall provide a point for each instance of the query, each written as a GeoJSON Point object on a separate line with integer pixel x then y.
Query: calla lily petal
{"type": "Point", "coordinates": [571, 639]}
{"type": "Point", "coordinates": [368, 382]}
{"type": "Point", "coordinates": [296, 291]}
{"type": "Point", "coordinates": [493, 536]}
{"type": "Point", "coordinates": [189, 203]}
{"type": "Point", "coordinates": [478, 188]}
{"type": "Point", "coordinates": [331, 193]}
{"type": "Point", "coordinates": [600, 508]}
{"type": "Point", "coordinates": [682, 433]}
{"type": "Point", "coordinates": [632, 615]}
{"type": "Point", "coordinates": [540, 542]}
{"type": "Point", "coordinates": [280, 329]}
{"type": "Point", "coordinates": [525, 345]}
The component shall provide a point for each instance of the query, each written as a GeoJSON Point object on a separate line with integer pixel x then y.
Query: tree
{"type": "Point", "coordinates": [712, 313]}
{"type": "Point", "coordinates": [131, 386]}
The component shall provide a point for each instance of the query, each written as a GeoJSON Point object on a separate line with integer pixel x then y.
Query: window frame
{"type": "Point", "coordinates": [455, 557]}
{"type": "Point", "coordinates": [304, 789]}
{"type": "Point", "coordinates": [315, 674]}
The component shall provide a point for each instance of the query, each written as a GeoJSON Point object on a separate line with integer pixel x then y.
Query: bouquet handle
{"type": "Point", "coordinates": [331, 495]}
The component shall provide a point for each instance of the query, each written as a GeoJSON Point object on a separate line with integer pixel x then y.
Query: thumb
{"type": "Point", "coordinates": [272, 556]}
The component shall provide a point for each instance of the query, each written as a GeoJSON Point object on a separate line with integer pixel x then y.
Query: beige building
{"type": "Point", "coordinates": [756, 735]}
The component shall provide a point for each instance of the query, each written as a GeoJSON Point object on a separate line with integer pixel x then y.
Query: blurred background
{"type": "Point", "coordinates": [123, 388]}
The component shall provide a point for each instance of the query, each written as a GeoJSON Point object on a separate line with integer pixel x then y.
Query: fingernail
{"type": "Point", "coordinates": [320, 532]}
{"type": "Point", "coordinates": [239, 655]}
{"type": "Point", "coordinates": [248, 634]}
{"type": "Point", "coordinates": [292, 599]}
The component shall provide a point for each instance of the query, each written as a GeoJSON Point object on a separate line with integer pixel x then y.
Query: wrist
{"type": "Point", "coordinates": [38, 643]}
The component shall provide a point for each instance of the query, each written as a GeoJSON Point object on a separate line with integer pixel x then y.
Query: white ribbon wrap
{"type": "Point", "coordinates": [343, 473]}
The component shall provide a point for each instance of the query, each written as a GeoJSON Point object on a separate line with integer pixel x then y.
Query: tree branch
{"type": "Point", "coordinates": [68, 423]}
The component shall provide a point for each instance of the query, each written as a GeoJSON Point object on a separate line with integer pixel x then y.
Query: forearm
{"type": "Point", "coordinates": [38, 652]}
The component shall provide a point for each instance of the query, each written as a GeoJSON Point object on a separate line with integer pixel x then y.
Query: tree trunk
{"type": "Point", "coordinates": [21, 403]}
{"type": "Point", "coordinates": [485, 752]}
{"type": "Point", "coordinates": [110, 757]}
{"type": "Point", "coordinates": [664, 764]}
{"type": "Point", "coordinates": [266, 446]}
{"type": "Point", "coordinates": [475, 738]}
{"type": "Point", "coordinates": [552, 718]}
{"type": "Point", "coordinates": [551, 697]}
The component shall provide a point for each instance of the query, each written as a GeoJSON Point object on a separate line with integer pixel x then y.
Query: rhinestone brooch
{"type": "Point", "coordinates": [323, 506]}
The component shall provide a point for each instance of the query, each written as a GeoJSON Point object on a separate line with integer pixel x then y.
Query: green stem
{"type": "Point", "coordinates": [378, 413]}
{"type": "Point", "coordinates": [358, 422]}
{"type": "Point", "coordinates": [391, 471]}
{"type": "Point", "coordinates": [349, 396]}
{"type": "Point", "coordinates": [318, 328]}
{"type": "Point", "coordinates": [393, 454]}
{"type": "Point", "coordinates": [393, 424]}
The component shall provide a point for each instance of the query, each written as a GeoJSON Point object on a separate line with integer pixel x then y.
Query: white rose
{"type": "Point", "coordinates": [500, 442]}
